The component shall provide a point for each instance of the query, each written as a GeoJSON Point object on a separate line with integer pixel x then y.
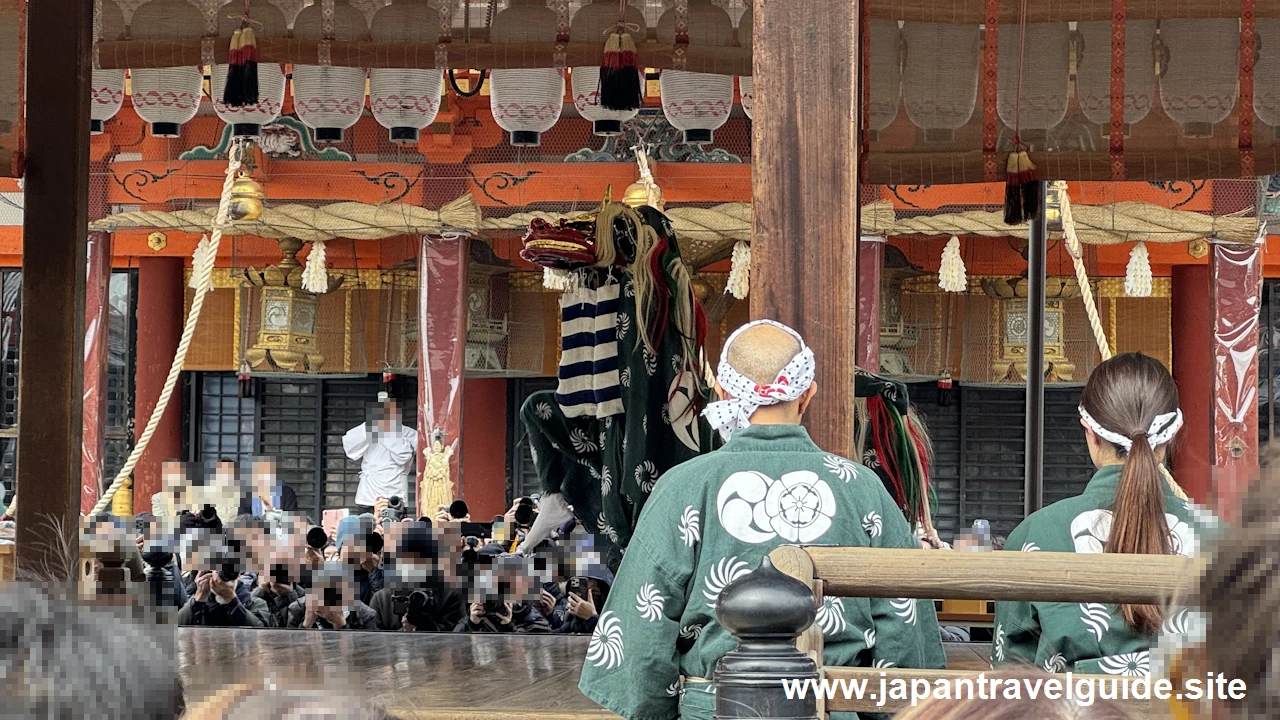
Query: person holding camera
{"type": "Point", "coordinates": [220, 600]}
{"type": "Point", "coordinates": [164, 574]}
{"type": "Point", "coordinates": [583, 597]}
{"type": "Point", "coordinates": [360, 549]}
{"type": "Point", "coordinates": [332, 604]}
{"type": "Point", "coordinates": [511, 611]}
{"type": "Point", "coordinates": [416, 598]}
{"type": "Point", "coordinates": [385, 449]}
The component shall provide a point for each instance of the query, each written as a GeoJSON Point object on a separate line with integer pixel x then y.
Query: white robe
{"type": "Point", "coordinates": [385, 459]}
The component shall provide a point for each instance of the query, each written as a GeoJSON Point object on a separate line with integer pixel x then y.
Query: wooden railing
{"type": "Point", "coordinates": [1009, 576]}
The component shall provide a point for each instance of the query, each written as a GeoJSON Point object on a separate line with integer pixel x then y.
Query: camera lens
{"type": "Point", "coordinates": [208, 513]}
{"type": "Point", "coordinates": [418, 600]}
{"type": "Point", "coordinates": [332, 597]}
{"type": "Point", "coordinates": [458, 510]}
{"type": "Point", "coordinates": [317, 538]}
{"type": "Point", "coordinates": [228, 572]}
{"type": "Point", "coordinates": [395, 502]}
{"type": "Point", "coordinates": [525, 515]}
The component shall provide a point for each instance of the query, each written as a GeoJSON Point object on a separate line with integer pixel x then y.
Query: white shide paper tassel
{"type": "Point", "coordinates": [951, 274]}
{"type": "Point", "coordinates": [740, 274]}
{"type": "Point", "coordinates": [1137, 275]}
{"type": "Point", "coordinates": [315, 278]}
{"type": "Point", "coordinates": [555, 279]}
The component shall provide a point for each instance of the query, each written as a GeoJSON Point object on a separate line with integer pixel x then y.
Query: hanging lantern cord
{"type": "Point", "coordinates": [203, 273]}
{"type": "Point", "coordinates": [453, 83]}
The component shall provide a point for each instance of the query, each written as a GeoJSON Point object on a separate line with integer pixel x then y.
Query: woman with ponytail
{"type": "Point", "coordinates": [1129, 411]}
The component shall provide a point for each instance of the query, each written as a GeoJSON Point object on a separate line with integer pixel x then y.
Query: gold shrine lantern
{"type": "Point", "coordinates": [1009, 363]}
{"type": "Point", "coordinates": [287, 330]}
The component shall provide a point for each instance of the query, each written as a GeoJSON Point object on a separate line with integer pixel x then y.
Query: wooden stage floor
{"type": "Point", "coordinates": [425, 676]}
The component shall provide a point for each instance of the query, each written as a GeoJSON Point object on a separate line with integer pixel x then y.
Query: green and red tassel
{"type": "Point", "coordinates": [619, 74]}
{"type": "Point", "coordinates": [241, 89]}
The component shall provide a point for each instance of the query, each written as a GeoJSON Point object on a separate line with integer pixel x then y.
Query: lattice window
{"type": "Point", "coordinates": [978, 440]}
{"type": "Point", "coordinates": [521, 471]}
{"type": "Point", "coordinates": [1268, 360]}
{"type": "Point", "coordinates": [122, 339]}
{"type": "Point", "coordinates": [289, 428]}
{"type": "Point", "coordinates": [226, 420]}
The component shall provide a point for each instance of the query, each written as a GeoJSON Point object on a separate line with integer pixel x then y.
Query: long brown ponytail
{"type": "Point", "coordinates": [1124, 395]}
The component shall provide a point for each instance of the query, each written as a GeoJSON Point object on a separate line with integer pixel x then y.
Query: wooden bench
{"type": "Point", "coordinates": [1001, 576]}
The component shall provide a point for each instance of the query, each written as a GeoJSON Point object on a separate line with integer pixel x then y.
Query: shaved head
{"type": "Point", "coordinates": [761, 352]}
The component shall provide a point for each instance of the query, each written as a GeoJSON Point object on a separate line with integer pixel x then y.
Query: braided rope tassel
{"type": "Point", "coordinates": [1076, 252]}
{"type": "Point", "coordinates": [201, 274]}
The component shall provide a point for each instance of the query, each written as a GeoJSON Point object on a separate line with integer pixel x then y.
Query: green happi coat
{"type": "Point", "coordinates": [712, 520]}
{"type": "Point", "coordinates": [1086, 637]}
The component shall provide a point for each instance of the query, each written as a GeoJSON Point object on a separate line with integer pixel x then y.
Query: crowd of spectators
{"type": "Point", "coordinates": [269, 565]}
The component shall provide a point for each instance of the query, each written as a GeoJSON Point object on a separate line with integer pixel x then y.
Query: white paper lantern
{"type": "Point", "coordinates": [1046, 72]}
{"type": "Point", "coordinates": [590, 25]}
{"type": "Point", "coordinates": [405, 100]}
{"type": "Point", "coordinates": [1199, 85]}
{"type": "Point", "coordinates": [247, 121]}
{"type": "Point", "coordinates": [106, 97]}
{"type": "Point", "coordinates": [697, 103]}
{"type": "Point", "coordinates": [527, 102]}
{"type": "Point", "coordinates": [885, 75]}
{"type": "Point", "coordinates": [329, 99]}
{"type": "Point", "coordinates": [106, 89]}
{"type": "Point", "coordinates": [166, 97]}
{"type": "Point", "coordinates": [1266, 73]}
{"type": "Point", "coordinates": [1093, 73]}
{"type": "Point", "coordinates": [940, 76]}
{"type": "Point", "coordinates": [746, 83]}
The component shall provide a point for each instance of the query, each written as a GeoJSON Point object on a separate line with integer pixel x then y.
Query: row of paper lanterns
{"type": "Point", "coordinates": [525, 102]}
{"type": "Point", "coordinates": [933, 68]}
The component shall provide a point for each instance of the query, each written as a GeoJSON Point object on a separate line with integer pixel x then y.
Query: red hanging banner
{"type": "Point", "coordinates": [991, 165]}
{"type": "Point", "coordinates": [442, 343]}
{"type": "Point", "coordinates": [1248, 33]}
{"type": "Point", "coordinates": [1117, 88]}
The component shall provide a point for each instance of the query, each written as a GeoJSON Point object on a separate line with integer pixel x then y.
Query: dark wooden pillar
{"type": "Point", "coordinates": [805, 192]}
{"type": "Point", "coordinates": [53, 278]}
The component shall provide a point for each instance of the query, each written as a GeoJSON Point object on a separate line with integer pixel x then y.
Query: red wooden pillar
{"type": "Point", "coordinates": [97, 316]}
{"type": "Point", "coordinates": [870, 261]}
{"type": "Point", "coordinates": [1236, 293]}
{"type": "Point", "coordinates": [442, 343]}
{"type": "Point", "coordinates": [160, 308]}
{"type": "Point", "coordinates": [1192, 363]}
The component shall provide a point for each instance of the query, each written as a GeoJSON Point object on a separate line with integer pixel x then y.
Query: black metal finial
{"type": "Point", "coordinates": [766, 611]}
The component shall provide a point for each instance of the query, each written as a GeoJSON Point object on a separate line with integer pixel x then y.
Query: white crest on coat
{"type": "Point", "coordinates": [1135, 664]}
{"type": "Point", "coordinates": [690, 526]}
{"type": "Point", "coordinates": [1096, 618]}
{"type": "Point", "coordinates": [605, 649]}
{"type": "Point", "coordinates": [721, 574]}
{"type": "Point", "coordinates": [680, 414]}
{"type": "Point", "coordinates": [905, 608]}
{"type": "Point", "coordinates": [649, 602]}
{"type": "Point", "coordinates": [843, 469]}
{"type": "Point", "coordinates": [755, 508]}
{"type": "Point", "coordinates": [872, 524]}
{"type": "Point", "coordinates": [830, 616]}
{"type": "Point", "coordinates": [1091, 529]}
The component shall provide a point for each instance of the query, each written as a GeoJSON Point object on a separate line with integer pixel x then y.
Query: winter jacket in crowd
{"type": "Point", "coordinates": [524, 619]}
{"type": "Point", "coordinates": [243, 610]}
{"type": "Point", "coordinates": [360, 617]}
{"type": "Point", "coordinates": [447, 610]}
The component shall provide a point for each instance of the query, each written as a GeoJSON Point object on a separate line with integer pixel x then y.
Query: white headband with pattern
{"type": "Point", "coordinates": [746, 396]}
{"type": "Point", "coordinates": [1162, 430]}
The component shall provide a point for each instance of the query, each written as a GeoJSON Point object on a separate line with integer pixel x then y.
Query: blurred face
{"type": "Point", "coordinates": [224, 475]}
{"type": "Point", "coordinates": [354, 553]}
{"type": "Point", "coordinates": [264, 476]}
{"type": "Point", "coordinates": [172, 476]}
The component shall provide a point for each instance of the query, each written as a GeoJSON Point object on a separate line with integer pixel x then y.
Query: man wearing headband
{"type": "Point", "coordinates": [714, 518]}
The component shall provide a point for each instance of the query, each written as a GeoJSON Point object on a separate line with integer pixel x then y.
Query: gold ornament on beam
{"type": "Point", "coordinates": [287, 332]}
{"type": "Point", "coordinates": [246, 199]}
{"type": "Point", "coordinates": [644, 191]}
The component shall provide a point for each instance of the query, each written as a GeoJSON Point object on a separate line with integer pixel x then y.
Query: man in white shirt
{"type": "Point", "coordinates": [385, 449]}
